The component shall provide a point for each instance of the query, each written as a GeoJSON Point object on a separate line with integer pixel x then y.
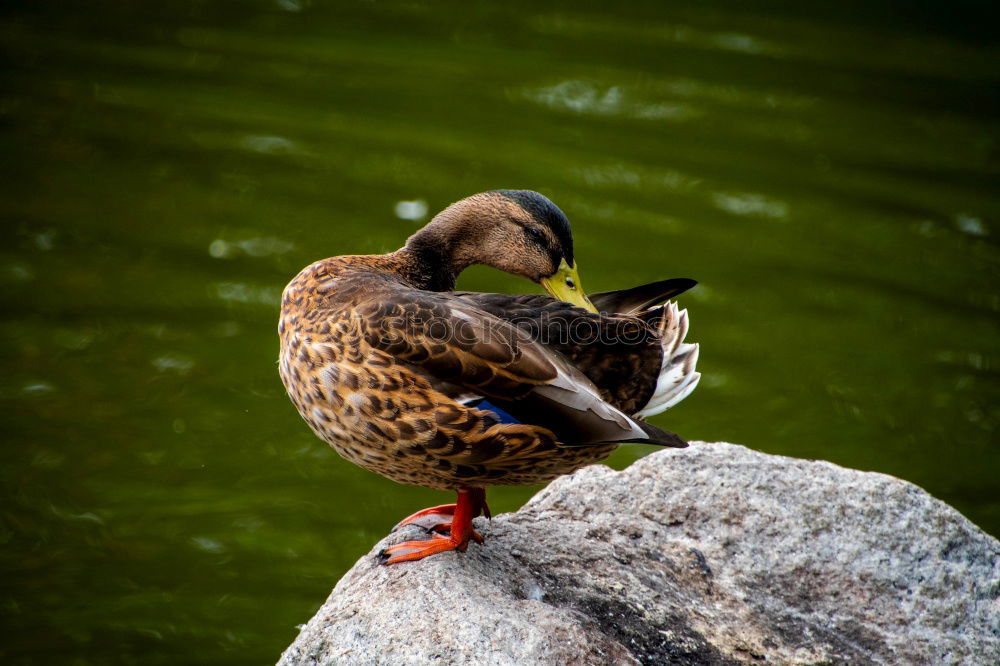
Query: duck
{"type": "Point", "coordinates": [458, 391]}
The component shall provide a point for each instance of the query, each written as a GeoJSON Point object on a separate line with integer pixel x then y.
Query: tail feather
{"type": "Point", "coordinates": [678, 376]}
{"type": "Point", "coordinates": [662, 437]}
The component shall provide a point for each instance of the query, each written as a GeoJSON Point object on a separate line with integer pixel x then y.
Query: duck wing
{"type": "Point", "coordinates": [455, 343]}
{"type": "Point", "coordinates": [639, 362]}
{"type": "Point", "coordinates": [631, 301]}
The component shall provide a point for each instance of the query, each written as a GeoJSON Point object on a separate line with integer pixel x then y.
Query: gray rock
{"type": "Point", "coordinates": [714, 554]}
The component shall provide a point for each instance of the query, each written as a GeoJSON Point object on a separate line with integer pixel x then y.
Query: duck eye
{"type": "Point", "coordinates": [535, 234]}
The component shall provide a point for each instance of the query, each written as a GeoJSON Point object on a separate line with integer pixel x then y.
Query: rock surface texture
{"type": "Point", "coordinates": [713, 554]}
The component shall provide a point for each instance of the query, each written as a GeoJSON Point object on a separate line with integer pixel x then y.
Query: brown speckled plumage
{"type": "Point", "coordinates": [387, 365]}
{"type": "Point", "coordinates": [389, 404]}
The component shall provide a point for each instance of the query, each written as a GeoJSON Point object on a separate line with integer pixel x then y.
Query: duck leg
{"type": "Point", "coordinates": [471, 503]}
{"type": "Point", "coordinates": [439, 518]}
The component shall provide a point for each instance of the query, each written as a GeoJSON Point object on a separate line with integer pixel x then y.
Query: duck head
{"type": "Point", "coordinates": [516, 231]}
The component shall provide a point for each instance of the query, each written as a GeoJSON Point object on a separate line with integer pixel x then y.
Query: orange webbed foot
{"type": "Point", "coordinates": [434, 519]}
{"type": "Point", "coordinates": [453, 520]}
{"type": "Point", "coordinates": [408, 551]}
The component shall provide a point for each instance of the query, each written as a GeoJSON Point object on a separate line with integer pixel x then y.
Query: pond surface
{"type": "Point", "coordinates": [828, 171]}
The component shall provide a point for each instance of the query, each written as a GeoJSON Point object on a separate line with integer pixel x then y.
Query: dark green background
{"type": "Point", "coordinates": [828, 171]}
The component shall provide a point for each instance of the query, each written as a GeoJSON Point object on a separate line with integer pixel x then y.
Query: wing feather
{"type": "Point", "coordinates": [636, 299]}
{"type": "Point", "coordinates": [620, 354]}
{"type": "Point", "coordinates": [457, 343]}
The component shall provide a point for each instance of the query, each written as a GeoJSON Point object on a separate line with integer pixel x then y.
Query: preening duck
{"type": "Point", "coordinates": [459, 390]}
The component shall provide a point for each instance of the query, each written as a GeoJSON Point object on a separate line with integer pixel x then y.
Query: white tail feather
{"type": "Point", "coordinates": [678, 376]}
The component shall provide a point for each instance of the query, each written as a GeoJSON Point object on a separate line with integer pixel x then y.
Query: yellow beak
{"type": "Point", "coordinates": [565, 285]}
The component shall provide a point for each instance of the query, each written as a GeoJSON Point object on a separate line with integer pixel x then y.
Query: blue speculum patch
{"type": "Point", "coordinates": [484, 404]}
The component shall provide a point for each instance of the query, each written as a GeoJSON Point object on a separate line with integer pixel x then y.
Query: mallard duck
{"type": "Point", "coordinates": [459, 390]}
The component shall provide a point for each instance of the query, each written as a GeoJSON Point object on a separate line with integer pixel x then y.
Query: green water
{"type": "Point", "coordinates": [828, 171]}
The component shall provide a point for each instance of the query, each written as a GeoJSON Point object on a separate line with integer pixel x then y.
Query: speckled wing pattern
{"type": "Point", "coordinates": [390, 377]}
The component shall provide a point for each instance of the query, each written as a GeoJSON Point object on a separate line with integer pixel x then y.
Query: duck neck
{"type": "Point", "coordinates": [431, 260]}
